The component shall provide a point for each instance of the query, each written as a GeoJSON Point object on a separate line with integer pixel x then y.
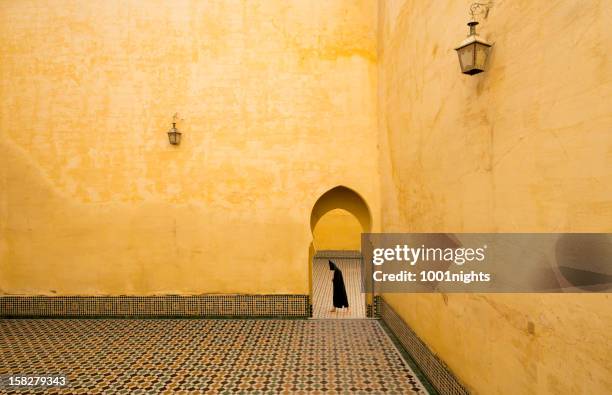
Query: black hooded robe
{"type": "Point", "coordinates": [340, 298]}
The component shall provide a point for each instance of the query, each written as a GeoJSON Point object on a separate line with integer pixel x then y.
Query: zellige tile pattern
{"type": "Point", "coordinates": [156, 306]}
{"type": "Point", "coordinates": [206, 356]}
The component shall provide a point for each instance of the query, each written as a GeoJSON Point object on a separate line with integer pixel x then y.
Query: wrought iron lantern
{"type": "Point", "coordinates": [474, 50]}
{"type": "Point", "coordinates": [174, 135]}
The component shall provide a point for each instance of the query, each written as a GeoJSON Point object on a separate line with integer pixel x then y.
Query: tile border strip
{"type": "Point", "coordinates": [263, 306]}
{"type": "Point", "coordinates": [348, 254]}
{"type": "Point", "coordinates": [431, 365]}
{"type": "Point", "coordinates": [408, 359]}
{"type": "Point", "coordinates": [376, 306]}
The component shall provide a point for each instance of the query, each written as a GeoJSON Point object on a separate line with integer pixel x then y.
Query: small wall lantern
{"type": "Point", "coordinates": [474, 50]}
{"type": "Point", "coordinates": [173, 134]}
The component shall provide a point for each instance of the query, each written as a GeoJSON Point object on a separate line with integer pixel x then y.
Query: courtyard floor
{"type": "Point", "coordinates": [133, 356]}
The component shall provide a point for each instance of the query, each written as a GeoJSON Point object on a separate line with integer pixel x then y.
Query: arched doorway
{"type": "Point", "coordinates": [337, 219]}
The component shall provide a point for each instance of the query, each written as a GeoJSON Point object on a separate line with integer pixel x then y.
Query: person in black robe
{"type": "Point", "coordinates": [340, 298]}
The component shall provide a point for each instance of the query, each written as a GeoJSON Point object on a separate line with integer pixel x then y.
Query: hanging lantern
{"type": "Point", "coordinates": [174, 135]}
{"type": "Point", "coordinates": [473, 52]}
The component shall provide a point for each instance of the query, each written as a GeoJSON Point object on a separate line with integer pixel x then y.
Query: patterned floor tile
{"type": "Point", "coordinates": [206, 356]}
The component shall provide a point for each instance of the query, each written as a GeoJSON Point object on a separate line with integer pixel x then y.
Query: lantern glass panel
{"type": "Point", "coordinates": [174, 137]}
{"type": "Point", "coordinates": [481, 56]}
{"type": "Point", "coordinates": [466, 57]}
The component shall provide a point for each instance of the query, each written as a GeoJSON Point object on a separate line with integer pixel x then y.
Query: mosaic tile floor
{"type": "Point", "coordinates": [206, 356]}
{"type": "Point", "coordinates": [322, 289]}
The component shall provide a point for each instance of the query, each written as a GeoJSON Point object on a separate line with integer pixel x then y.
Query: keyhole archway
{"type": "Point", "coordinates": [337, 219]}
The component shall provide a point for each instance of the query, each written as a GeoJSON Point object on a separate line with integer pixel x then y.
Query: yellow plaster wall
{"type": "Point", "coordinates": [277, 103]}
{"type": "Point", "coordinates": [338, 229]}
{"type": "Point", "coordinates": [523, 147]}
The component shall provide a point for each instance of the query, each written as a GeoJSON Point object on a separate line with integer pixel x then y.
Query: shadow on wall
{"type": "Point", "coordinates": [337, 220]}
{"type": "Point", "coordinates": [342, 198]}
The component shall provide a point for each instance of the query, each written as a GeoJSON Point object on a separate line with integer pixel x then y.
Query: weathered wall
{"type": "Point", "coordinates": [277, 103]}
{"type": "Point", "coordinates": [525, 146]}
